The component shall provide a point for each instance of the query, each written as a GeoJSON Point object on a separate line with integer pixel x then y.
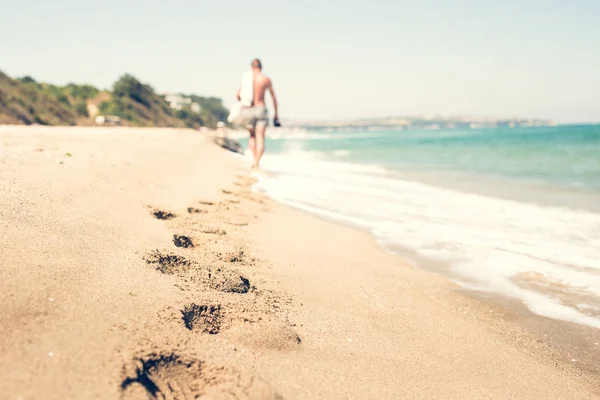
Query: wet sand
{"type": "Point", "coordinates": [138, 263]}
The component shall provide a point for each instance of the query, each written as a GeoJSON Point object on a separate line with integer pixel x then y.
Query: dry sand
{"type": "Point", "coordinates": [139, 264]}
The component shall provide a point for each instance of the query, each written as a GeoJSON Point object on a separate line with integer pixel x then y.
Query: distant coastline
{"type": "Point", "coordinates": [426, 122]}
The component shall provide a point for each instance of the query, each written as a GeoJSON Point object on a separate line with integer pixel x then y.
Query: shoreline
{"type": "Point", "coordinates": [565, 342]}
{"type": "Point", "coordinates": [279, 302]}
{"type": "Point", "coordinates": [504, 324]}
{"type": "Point", "coordinates": [544, 255]}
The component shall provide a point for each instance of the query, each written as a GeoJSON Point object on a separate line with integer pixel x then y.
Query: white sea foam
{"type": "Point", "coordinates": [300, 134]}
{"type": "Point", "coordinates": [546, 257]}
{"type": "Point", "coordinates": [341, 153]}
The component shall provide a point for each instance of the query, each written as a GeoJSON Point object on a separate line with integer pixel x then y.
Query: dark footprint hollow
{"type": "Point", "coordinates": [167, 263]}
{"type": "Point", "coordinates": [166, 376]}
{"type": "Point", "coordinates": [182, 241]}
{"type": "Point", "coordinates": [171, 376]}
{"type": "Point", "coordinates": [234, 284]}
{"type": "Point", "coordinates": [193, 210]}
{"type": "Point", "coordinates": [203, 318]}
{"type": "Point", "coordinates": [237, 256]}
{"type": "Point", "coordinates": [164, 215]}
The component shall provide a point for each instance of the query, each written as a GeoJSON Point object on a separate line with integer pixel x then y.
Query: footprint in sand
{"type": "Point", "coordinates": [271, 335]}
{"type": "Point", "coordinates": [194, 210]}
{"type": "Point", "coordinates": [202, 318]}
{"type": "Point", "coordinates": [182, 241]}
{"type": "Point", "coordinates": [163, 215]}
{"type": "Point", "coordinates": [237, 256]}
{"type": "Point", "coordinates": [171, 376]}
{"type": "Point", "coordinates": [223, 280]}
{"type": "Point", "coordinates": [167, 263]}
{"type": "Point", "coordinates": [230, 282]}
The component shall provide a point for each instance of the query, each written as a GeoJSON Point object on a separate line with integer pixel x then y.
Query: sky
{"type": "Point", "coordinates": [327, 59]}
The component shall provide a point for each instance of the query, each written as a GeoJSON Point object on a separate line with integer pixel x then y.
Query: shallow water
{"type": "Point", "coordinates": [510, 211]}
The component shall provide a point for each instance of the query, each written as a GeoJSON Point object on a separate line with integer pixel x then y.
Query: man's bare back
{"type": "Point", "coordinates": [261, 84]}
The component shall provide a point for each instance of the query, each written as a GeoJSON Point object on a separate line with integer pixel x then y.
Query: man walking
{"type": "Point", "coordinates": [256, 117]}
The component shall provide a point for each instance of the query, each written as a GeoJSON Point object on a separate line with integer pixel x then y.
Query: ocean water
{"type": "Point", "coordinates": [514, 212]}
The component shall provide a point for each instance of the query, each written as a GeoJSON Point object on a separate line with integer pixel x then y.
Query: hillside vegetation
{"type": "Point", "coordinates": [26, 101]}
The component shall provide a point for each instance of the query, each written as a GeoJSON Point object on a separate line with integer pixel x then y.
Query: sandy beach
{"type": "Point", "coordinates": [139, 263]}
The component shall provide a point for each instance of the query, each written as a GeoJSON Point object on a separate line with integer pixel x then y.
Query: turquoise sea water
{"type": "Point", "coordinates": [562, 155]}
{"type": "Point", "coordinates": [508, 211]}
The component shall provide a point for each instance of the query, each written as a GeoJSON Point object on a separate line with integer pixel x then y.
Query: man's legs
{"type": "Point", "coordinates": [252, 143]}
{"type": "Point", "coordinates": [260, 143]}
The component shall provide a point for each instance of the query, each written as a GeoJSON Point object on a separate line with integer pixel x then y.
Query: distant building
{"type": "Point", "coordinates": [107, 120]}
{"type": "Point", "coordinates": [177, 101]}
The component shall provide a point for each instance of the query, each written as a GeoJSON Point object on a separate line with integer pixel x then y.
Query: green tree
{"type": "Point", "coordinates": [81, 108]}
{"type": "Point", "coordinates": [81, 91]}
{"type": "Point", "coordinates": [213, 105]}
{"type": "Point", "coordinates": [128, 86]}
{"type": "Point", "coordinates": [27, 79]}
